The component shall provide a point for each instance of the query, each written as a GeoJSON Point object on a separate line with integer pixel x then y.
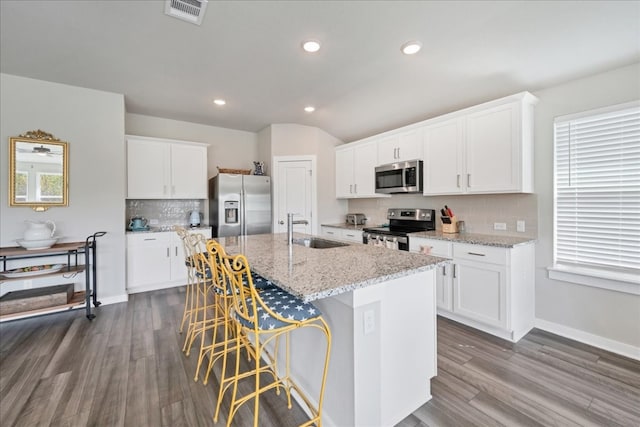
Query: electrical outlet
{"type": "Point", "coordinates": [369, 321]}
{"type": "Point", "coordinates": [153, 222]}
{"type": "Point", "coordinates": [500, 226]}
{"type": "Point", "coordinates": [520, 226]}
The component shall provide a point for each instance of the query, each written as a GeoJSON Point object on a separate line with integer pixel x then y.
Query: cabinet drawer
{"type": "Point", "coordinates": [480, 253]}
{"type": "Point", "coordinates": [440, 248]}
{"type": "Point", "coordinates": [352, 235]}
{"type": "Point", "coordinates": [331, 232]}
{"type": "Point", "coordinates": [147, 238]}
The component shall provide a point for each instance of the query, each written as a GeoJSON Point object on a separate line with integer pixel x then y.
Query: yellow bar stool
{"type": "Point", "coordinates": [211, 267]}
{"type": "Point", "coordinates": [222, 329]}
{"type": "Point", "coordinates": [188, 299]}
{"type": "Point", "coordinates": [264, 317]}
{"type": "Point", "coordinates": [201, 300]}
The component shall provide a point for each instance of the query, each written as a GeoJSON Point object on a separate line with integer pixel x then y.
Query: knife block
{"type": "Point", "coordinates": [450, 228]}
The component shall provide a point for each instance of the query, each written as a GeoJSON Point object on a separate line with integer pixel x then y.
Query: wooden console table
{"type": "Point", "coordinates": [74, 252]}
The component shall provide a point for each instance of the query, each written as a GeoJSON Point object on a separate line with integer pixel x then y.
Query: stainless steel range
{"type": "Point", "coordinates": [401, 223]}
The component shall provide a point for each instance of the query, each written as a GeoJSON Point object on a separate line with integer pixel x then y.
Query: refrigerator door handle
{"type": "Point", "coordinates": [243, 214]}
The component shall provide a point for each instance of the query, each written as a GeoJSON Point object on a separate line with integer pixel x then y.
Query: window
{"type": "Point", "coordinates": [597, 191]}
{"type": "Point", "coordinates": [49, 188]}
{"type": "Point", "coordinates": [22, 186]}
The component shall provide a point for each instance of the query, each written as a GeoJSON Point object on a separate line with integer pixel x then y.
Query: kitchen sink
{"type": "Point", "coordinates": [313, 242]}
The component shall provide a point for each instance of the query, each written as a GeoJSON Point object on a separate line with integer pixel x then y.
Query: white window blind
{"type": "Point", "coordinates": [597, 189]}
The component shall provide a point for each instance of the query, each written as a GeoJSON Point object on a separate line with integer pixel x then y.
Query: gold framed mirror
{"type": "Point", "coordinates": [38, 171]}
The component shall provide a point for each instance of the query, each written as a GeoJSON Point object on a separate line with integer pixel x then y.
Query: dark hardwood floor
{"type": "Point", "coordinates": [127, 368]}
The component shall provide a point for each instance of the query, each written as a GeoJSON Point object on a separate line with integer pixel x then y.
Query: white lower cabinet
{"type": "Point", "coordinates": [156, 260]}
{"type": "Point", "coordinates": [341, 234]}
{"type": "Point", "coordinates": [489, 288]}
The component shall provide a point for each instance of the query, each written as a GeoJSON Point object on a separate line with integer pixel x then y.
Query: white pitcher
{"type": "Point", "coordinates": [39, 230]}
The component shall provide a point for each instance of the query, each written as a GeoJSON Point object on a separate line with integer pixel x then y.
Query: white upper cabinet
{"type": "Point", "coordinates": [189, 171]}
{"type": "Point", "coordinates": [355, 170]}
{"type": "Point", "coordinates": [400, 147]}
{"type": "Point", "coordinates": [163, 169]}
{"type": "Point", "coordinates": [482, 149]}
{"type": "Point", "coordinates": [443, 159]}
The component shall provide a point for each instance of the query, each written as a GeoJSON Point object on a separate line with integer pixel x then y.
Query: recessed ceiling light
{"type": "Point", "coordinates": [411, 47]}
{"type": "Point", "coordinates": [311, 46]}
{"type": "Point", "coordinates": [219, 101]}
{"type": "Point", "coordinates": [309, 109]}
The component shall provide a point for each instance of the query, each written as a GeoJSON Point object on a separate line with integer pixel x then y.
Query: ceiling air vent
{"type": "Point", "coordinates": [187, 10]}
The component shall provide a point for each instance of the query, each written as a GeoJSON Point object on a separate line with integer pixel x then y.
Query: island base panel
{"type": "Point", "coordinates": [381, 366]}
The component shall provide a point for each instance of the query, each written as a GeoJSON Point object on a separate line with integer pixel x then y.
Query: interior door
{"type": "Point", "coordinates": [295, 196]}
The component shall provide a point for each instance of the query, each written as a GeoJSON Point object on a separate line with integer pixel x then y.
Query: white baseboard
{"type": "Point", "coordinates": [590, 339]}
{"type": "Point", "coordinates": [114, 300]}
{"type": "Point", "coordinates": [155, 287]}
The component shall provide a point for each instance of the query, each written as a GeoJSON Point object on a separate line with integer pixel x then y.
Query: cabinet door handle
{"type": "Point", "coordinates": [355, 188]}
{"type": "Point", "coordinates": [351, 235]}
{"type": "Point", "coordinates": [350, 188]}
{"type": "Point", "coordinates": [468, 180]}
{"type": "Point", "coordinates": [151, 238]}
{"type": "Point", "coordinates": [454, 271]}
{"type": "Point", "coordinates": [458, 180]}
{"type": "Point", "coordinates": [167, 252]}
{"type": "Point", "coordinates": [281, 222]}
{"type": "Point", "coordinates": [398, 152]}
{"type": "Point", "coordinates": [330, 232]}
{"type": "Point", "coordinates": [476, 254]}
{"type": "Point", "coordinates": [444, 270]}
{"type": "Point", "coordinates": [176, 251]}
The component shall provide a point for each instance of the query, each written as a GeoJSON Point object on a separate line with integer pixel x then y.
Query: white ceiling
{"type": "Point", "coordinates": [248, 52]}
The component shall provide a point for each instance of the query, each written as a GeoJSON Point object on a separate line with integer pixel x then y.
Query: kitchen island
{"type": "Point", "coordinates": [380, 306]}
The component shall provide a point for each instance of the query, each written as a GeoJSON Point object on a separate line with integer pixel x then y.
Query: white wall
{"type": "Point", "coordinates": [92, 122]}
{"type": "Point", "coordinates": [228, 148]}
{"type": "Point", "coordinates": [292, 140]}
{"type": "Point", "coordinates": [592, 312]}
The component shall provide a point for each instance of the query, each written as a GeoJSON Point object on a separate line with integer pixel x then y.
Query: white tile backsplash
{"type": "Point", "coordinates": [166, 212]}
{"type": "Point", "coordinates": [479, 212]}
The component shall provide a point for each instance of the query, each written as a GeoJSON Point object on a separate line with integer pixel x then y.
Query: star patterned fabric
{"type": "Point", "coordinates": [284, 305]}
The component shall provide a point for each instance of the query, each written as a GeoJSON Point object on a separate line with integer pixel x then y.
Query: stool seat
{"type": "Point", "coordinates": [283, 304]}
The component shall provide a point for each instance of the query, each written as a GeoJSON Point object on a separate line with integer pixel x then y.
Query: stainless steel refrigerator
{"type": "Point", "coordinates": [239, 204]}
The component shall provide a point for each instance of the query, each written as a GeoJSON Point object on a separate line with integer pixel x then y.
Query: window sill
{"type": "Point", "coordinates": [614, 281]}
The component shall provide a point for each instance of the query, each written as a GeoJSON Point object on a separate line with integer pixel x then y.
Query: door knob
{"type": "Point", "coordinates": [281, 222]}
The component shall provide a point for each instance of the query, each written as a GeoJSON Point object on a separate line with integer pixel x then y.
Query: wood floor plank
{"type": "Point", "coordinates": [562, 403]}
{"type": "Point", "coordinates": [514, 398]}
{"type": "Point", "coordinates": [502, 413]}
{"type": "Point", "coordinates": [143, 403]}
{"type": "Point", "coordinates": [620, 390]}
{"type": "Point", "coordinates": [460, 388]}
{"type": "Point", "coordinates": [463, 411]}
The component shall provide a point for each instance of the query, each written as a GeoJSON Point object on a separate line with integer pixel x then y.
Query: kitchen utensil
{"type": "Point", "coordinates": [194, 218]}
{"type": "Point", "coordinates": [39, 230]}
{"type": "Point", "coordinates": [138, 223]}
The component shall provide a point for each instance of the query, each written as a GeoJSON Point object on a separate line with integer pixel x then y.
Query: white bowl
{"type": "Point", "coordinates": [37, 244]}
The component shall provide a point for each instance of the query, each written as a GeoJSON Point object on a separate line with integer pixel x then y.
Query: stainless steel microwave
{"type": "Point", "coordinates": [401, 177]}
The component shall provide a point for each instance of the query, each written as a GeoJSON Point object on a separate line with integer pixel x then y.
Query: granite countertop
{"type": "Point", "coordinates": [165, 228]}
{"type": "Point", "coordinates": [476, 239]}
{"type": "Point", "coordinates": [312, 274]}
{"type": "Point", "coordinates": [346, 226]}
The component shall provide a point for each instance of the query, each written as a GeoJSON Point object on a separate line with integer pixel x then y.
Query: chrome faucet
{"type": "Point", "coordinates": [290, 223]}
